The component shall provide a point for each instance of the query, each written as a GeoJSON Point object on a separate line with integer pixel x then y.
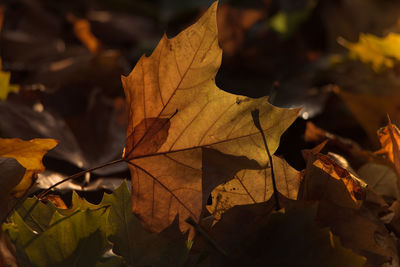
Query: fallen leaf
{"type": "Point", "coordinates": [255, 186]}
{"type": "Point", "coordinates": [325, 179]}
{"type": "Point", "coordinates": [11, 173]}
{"type": "Point", "coordinates": [29, 154]}
{"type": "Point", "coordinates": [175, 110]}
{"type": "Point", "coordinates": [74, 240]}
{"type": "Point", "coordinates": [289, 237]}
{"type": "Point", "coordinates": [360, 231]}
{"type": "Point", "coordinates": [371, 110]}
{"type": "Point", "coordinates": [381, 53]}
{"type": "Point", "coordinates": [381, 178]}
{"type": "Point", "coordinates": [131, 241]}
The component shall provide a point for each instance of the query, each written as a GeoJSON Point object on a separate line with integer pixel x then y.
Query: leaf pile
{"type": "Point", "coordinates": [205, 190]}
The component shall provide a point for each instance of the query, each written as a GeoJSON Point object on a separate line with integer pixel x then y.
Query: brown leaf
{"type": "Point", "coordinates": [325, 179]}
{"type": "Point", "coordinates": [175, 111]}
{"type": "Point", "coordinates": [255, 186]}
{"type": "Point", "coordinates": [357, 231]}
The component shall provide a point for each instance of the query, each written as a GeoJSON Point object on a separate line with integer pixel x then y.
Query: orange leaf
{"type": "Point", "coordinates": [178, 117]}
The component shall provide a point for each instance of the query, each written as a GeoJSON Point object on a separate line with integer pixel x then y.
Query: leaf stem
{"type": "Point", "coordinates": [76, 175]}
{"type": "Point", "coordinates": [256, 119]}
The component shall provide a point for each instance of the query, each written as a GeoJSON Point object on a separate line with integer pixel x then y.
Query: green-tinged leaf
{"type": "Point", "coordinates": [36, 214]}
{"type": "Point", "coordinates": [20, 234]}
{"type": "Point", "coordinates": [11, 173]}
{"type": "Point", "coordinates": [75, 240]}
{"type": "Point", "coordinates": [135, 244]}
{"type": "Point", "coordinates": [5, 86]}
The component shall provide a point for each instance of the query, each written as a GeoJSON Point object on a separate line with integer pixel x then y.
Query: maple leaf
{"type": "Point", "coordinates": [175, 111]}
{"type": "Point", "coordinates": [255, 186]}
{"type": "Point", "coordinates": [130, 240]}
{"type": "Point", "coordinates": [326, 179]}
{"type": "Point", "coordinates": [74, 240]}
{"type": "Point", "coordinates": [267, 238]}
{"type": "Point", "coordinates": [29, 154]}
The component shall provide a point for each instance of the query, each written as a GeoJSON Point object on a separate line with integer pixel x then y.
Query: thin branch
{"type": "Point", "coordinates": [77, 175]}
{"type": "Point", "coordinates": [256, 119]}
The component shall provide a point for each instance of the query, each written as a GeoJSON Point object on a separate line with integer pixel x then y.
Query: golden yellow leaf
{"type": "Point", "coordinates": [175, 112]}
{"type": "Point", "coordinates": [29, 154]}
{"type": "Point", "coordinates": [380, 52]}
{"type": "Point", "coordinates": [255, 186]}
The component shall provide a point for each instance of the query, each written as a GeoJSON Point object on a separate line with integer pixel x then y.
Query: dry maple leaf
{"type": "Point", "coordinates": [255, 186]}
{"type": "Point", "coordinates": [29, 154]}
{"type": "Point", "coordinates": [325, 179]}
{"type": "Point", "coordinates": [175, 111]}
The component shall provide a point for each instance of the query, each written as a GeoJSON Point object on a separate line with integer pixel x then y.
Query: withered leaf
{"type": "Point", "coordinates": [29, 154]}
{"type": "Point", "coordinates": [325, 179]}
{"type": "Point", "coordinates": [255, 186]}
{"type": "Point", "coordinates": [175, 110]}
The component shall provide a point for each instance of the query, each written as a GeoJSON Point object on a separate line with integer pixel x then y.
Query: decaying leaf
{"type": "Point", "coordinates": [325, 179]}
{"type": "Point", "coordinates": [359, 231]}
{"type": "Point", "coordinates": [255, 186]}
{"type": "Point", "coordinates": [289, 237]}
{"type": "Point", "coordinates": [29, 154]}
{"type": "Point", "coordinates": [175, 111]}
{"type": "Point", "coordinates": [379, 52]}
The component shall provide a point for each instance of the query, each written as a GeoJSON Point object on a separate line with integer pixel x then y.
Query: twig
{"type": "Point", "coordinates": [200, 230]}
{"type": "Point", "coordinates": [256, 119]}
{"type": "Point", "coordinates": [76, 175]}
